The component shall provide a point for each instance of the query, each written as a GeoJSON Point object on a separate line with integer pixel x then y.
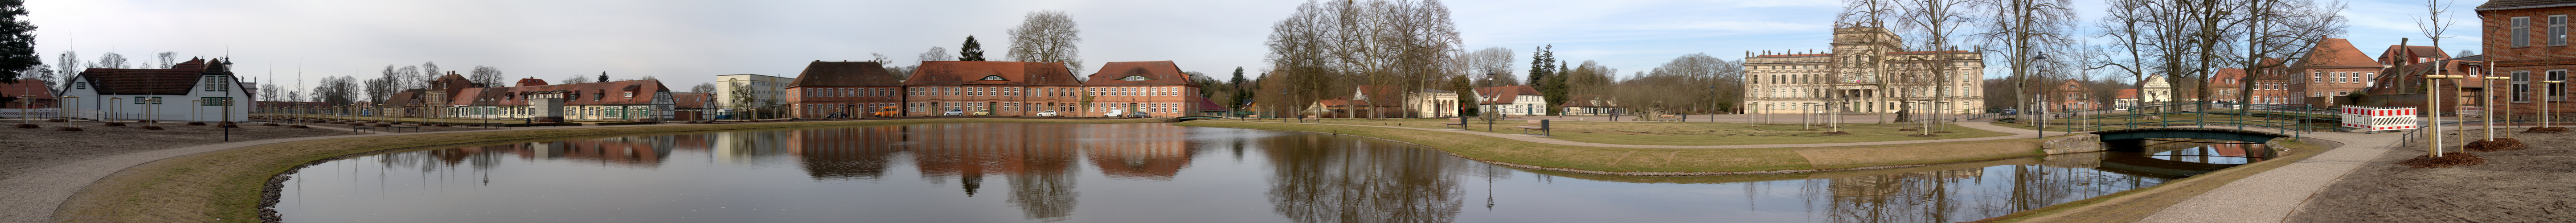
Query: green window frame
{"type": "Point", "coordinates": [214, 101]}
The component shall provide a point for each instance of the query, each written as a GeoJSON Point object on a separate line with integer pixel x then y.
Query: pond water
{"type": "Point", "coordinates": [1151, 172]}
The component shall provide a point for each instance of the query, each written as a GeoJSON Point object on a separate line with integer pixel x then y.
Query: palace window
{"type": "Point", "coordinates": [2521, 31]}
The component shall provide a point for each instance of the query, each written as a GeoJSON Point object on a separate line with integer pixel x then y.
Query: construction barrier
{"type": "Point", "coordinates": [2379, 119]}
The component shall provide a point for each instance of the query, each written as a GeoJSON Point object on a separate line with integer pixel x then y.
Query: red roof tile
{"type": "Point", "coordinates": [973, 72]}
{"type": "Point", "coordinates": [1152, 73]}
{"type": "Point", "coordinates": [26, 87]}
{"type": "Point", "coordinates": [2337, 53]}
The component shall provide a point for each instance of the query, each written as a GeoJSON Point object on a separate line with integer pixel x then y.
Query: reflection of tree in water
{"type": "Point", "coordinates": [1317, 181]}
{"type": "Point", "coordinates": [1964, 194]}
{"type": "Point", "coordinates": [852, 153]}
{"type": "Point", "coordinates": [1038, 163]}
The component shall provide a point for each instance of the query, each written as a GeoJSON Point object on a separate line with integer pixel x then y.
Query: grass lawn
{"type": "Point", "coordinates": [2081, 123]}
{"type": "Point", "coordinates": [1691, 133]}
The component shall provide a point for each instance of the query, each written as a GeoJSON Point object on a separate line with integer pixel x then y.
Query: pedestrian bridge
{"type": "Point", "coordinates": [2230, 133]}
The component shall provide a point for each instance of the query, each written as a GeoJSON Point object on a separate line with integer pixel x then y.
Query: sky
{"type": "Point", "coordinates": [685, 43]}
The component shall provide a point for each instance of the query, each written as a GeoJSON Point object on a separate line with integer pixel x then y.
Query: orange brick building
{"type": "Point", "coordinates": [990, 87]}
{"type": "Point", "coordinates": [843, 89]}
{"type": "Point", "coordinates": [1154, 87]}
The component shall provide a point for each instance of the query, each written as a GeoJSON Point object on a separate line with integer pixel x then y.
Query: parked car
{"type": "Point", "coordinates": [1139, 115]}
{"type": "Point", "coordinates": [984, 112]}
{"type": "Point", "coordinates": [1114, 113]}
{"type": "Point", "coordinates": [953, 112]}
{"type": "Point", "coordinates": [889, 111]}
{"type": "Point", "coordinates": [1047, 113]}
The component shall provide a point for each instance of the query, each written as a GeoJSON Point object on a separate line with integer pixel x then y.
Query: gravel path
{"type": "Point", "coordinates": [2271, 196]}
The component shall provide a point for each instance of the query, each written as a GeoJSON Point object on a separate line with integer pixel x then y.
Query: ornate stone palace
{"type": "Point", "coordinates": [1868, 71]}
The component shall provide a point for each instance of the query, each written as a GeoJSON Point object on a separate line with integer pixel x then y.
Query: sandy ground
{"type": "Point", "coordinates": [29, 149]}
{"type": "Point", "coordinates": [2531, 185]}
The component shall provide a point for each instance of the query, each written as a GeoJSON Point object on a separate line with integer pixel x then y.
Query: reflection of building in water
{"type": "Point", "coordinates": [1908, 197]}
{"type": "Point", "coordinates": [742, 147]}
{"type": "Point", "coordinates": [848, 153]}
{"type": "Point", "coordinates": [1149, 152]}
{"type": "Point", "coordinates": [1318, 181]}
{"type": "Point", "coordinates": [1038, 162]}
{"type": "Point", "coordinates": [635, 151]}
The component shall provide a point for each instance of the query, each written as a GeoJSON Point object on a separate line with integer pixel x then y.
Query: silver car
{"type": "Point", "coordinates": [953, 112]}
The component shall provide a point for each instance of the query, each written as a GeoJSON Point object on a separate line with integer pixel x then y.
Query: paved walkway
{"type": "Point", "coordinates": [2273, 195]}
{"type": "Point", "coordinates": [2017, 134]}
{"type": "Point", "coordinates": [34, 195]}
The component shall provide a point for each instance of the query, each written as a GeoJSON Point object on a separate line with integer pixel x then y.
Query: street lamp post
{"type": "Point", "coordinates": [2018, 85]}
{"type": "Point", "coordinates": [1489, 112]}
{"type": "Point", "coordinates": [1712, 105]}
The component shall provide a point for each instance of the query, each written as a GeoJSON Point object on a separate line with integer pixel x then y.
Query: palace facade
{"type": "Point", "coordinates": [1868, 71]}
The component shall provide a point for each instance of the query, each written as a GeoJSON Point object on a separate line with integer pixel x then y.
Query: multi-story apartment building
{"type": "Point", "coordinates": [843, 89]}
{"type": "Point", "coordinates": [1868, 71]}
{"type": "Point", "coordinates": [2527, 40]}
{"type": "Point", "coordinates": [1153, 87]}
{"type": "Point", "coordinates": [992, 88]}
{"type": "Point", "coordinates": [751, 91]}
{"type": "Point", "coordinates": [2332, 68]}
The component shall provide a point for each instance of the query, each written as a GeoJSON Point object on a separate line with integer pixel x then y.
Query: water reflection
{"type": "Point", "coordinates": [1144, 173]}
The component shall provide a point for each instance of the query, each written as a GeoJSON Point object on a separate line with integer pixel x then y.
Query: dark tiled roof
{"type": "Point", "coordinates": [1587, 101]}
{"type": "Point", "coordinates": [176, 81]}
{"type": "Point", "coordinates": [2517, 4]}
{"type": "Point", "coordinates": [1155, 73]}
{"type": "Point", "coordinates": [821, 73]}
{"type": "Point", "coordinates": [972, 72]}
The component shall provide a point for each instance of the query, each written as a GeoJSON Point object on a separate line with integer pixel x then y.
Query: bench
{"type": "Point", "coordinates": [1540, 125]}
{"type": "Point", "coordinates": [1309, 118]}
{"type": "Point", "coordinates": [1675, 118]}
{"type": "Point", "coordinates": [1460, 122]}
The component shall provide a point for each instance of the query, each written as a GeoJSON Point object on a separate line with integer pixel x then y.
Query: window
{"type": "Point", "coordinates": [1134, 78]}
{"type": "Point", "coordinates": [2521, 31]}
{"type": "Point", "coordinates": [215, 101]}
{"type": "Point", "coordinates": [597, 96]}
{"type": "Point", "coordinates": [2558, 30]}
{"type": "Point", "coordinates": [991, 78]}
{"type": "Point", "coordinates": [2557, 91]}
{"type": "Point", "coordinates": [216, 83]}
{"type": "Point", "coordinates": [2521, 86]}
{"type": "Point", "coordinates": [80, 85]}
{"type": "Point", "coordinates": [630, 94]}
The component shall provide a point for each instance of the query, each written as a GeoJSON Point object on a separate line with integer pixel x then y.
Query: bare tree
{"type": "Point", "coordinates": [110, 60]}
{"type": "Point", "coordinates": [703, 88]}
{"type": "Point", "coordinates": [1492, 60]}
{"type": "Point", "coordinates": [66, 66]}
{"type": "Point", "coordinates": [937, 54]}
{"type": "Point", "coordinates": [1047, 37]}
{"type": "Point", "coordinates": [487, 75]}
{"type": "Point", "coordinates": [577, 78]}
{"type": "Point", "coordinates": [168, 60]}
{"type": "Point", "coordinates": [2286, 30]}
{"type": "Point", "coordinates": [409, 77]}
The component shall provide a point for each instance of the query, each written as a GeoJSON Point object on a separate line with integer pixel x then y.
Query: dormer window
{"type": "Point", "coordinates": [992, 78]}
{"type": "Point", "coordinates": [1135, 78]}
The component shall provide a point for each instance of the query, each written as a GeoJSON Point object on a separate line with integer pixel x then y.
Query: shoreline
{"type": "Point", "coordinates": [1782, 160]}
{"type": "Point", "coordinates": [229, 182]}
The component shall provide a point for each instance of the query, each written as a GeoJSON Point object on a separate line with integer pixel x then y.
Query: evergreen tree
{"type": "Point", "coordinates": [1466, 95]}
{"type": "Point", "coordinates": [972, 51]}
{"type": "Point", "coordinates": [1237, 83]}
{"type": "Point", "coordinates": [603, 76]}
{"type": "Point", "coordinates": [1542, 64]}
{"type": "Point", "coordinates": [17, 41]}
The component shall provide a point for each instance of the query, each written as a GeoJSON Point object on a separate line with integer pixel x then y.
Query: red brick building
{"type": "Point", "coordinates": [1154, 87]}
{"type": "Point", "coordinates": [991, 87]}
{"type": "Point", "coordinates": [2421, 54]}
{"type": "Point", "coordinates": [845, 89]}
{"type": "Point", "coordinates": [2527, 40]}
{"type": "Point", "coordinates": [2333, 68]}
{"type": "Point", "coordinates": [38, 95]}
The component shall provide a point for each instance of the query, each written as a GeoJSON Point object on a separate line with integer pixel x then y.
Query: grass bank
{"type": "Point", "coordinates": [1672, 162]}
{"type": "Point", "coordinates": [230, 185]}
{"type": "Point", "coordinates": [2137, 204]}
{"type": "Point", "coordinates": [1689, 133]}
